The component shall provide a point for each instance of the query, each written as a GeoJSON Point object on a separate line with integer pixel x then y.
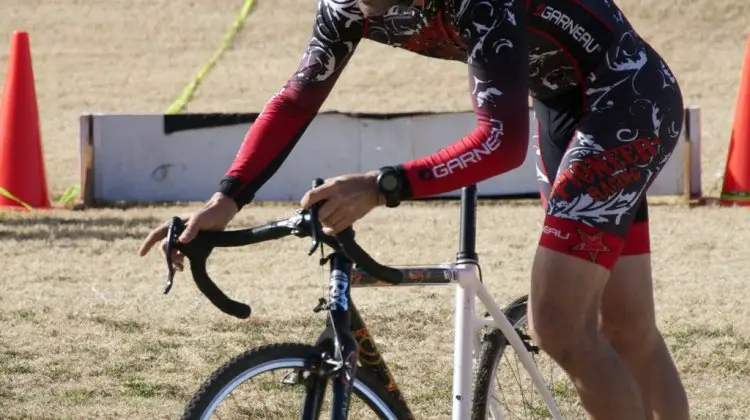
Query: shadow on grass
{"type": "Point", "coordinates": [54, 228]}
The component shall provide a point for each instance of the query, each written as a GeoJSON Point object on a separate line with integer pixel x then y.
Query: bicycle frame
{"type": "Point", "coordinates": [348, 331]}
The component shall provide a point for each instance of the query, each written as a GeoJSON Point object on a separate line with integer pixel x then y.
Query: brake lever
{"type": "Point", "coordinates": [173, 232]}
{"type": "Point", "coordinates": [314, 222]}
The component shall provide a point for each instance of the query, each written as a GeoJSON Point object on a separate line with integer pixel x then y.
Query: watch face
{"type": "Point", "coordinates": [389, 182]}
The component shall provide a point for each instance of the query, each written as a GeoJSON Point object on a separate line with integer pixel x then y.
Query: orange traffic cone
{"type": "Point", "coordinates": [22, 175]}
{"type": "Point", "coordinates": [736, 188]}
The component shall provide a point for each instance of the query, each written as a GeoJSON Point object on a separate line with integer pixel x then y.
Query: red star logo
{"type": "Point", "coordinates": [593, 244]}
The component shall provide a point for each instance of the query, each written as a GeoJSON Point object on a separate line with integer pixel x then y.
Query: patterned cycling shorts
{"type": "Point", "coordinates": [599, 149]}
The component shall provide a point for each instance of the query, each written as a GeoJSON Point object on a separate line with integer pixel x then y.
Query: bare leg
{"type": "Point", "coordinates": [564, 306]}
{"type": "Point", "coordinates": [628, 321]}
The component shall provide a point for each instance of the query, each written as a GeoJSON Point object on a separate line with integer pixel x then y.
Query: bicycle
{"type": "Point", "coordinates": [345, 354]}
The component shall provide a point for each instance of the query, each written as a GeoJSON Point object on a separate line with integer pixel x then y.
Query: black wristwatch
{"type": "Point", "coordinates": [389, 184]}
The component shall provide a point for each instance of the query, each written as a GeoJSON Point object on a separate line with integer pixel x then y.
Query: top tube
{"type": "Point", "coordinates": [412, 276]}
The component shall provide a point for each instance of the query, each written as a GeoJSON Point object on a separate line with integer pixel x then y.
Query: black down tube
{"type": "Point", "coordinates": [345, 347]}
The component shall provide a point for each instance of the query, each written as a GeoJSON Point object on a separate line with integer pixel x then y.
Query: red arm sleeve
{"type": "Point", "coordinates": [494, 33]}
{"type": "Point", "coordinates": [278, 128]}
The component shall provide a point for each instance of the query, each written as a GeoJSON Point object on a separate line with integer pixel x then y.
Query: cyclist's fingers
{"type": "Point", "coordinates": [340, 225]}
{"type": "Point", "coordinates": [191, 230]}
{"type": "Point", "coordinates": [330, 208]}
{"type": "Point", "coordinates": [178, 261]}
{"type": "Point", "coordinates": [314, 195]}
{"type": "Point", "coordinates": [153, 237]}
{"type": "Point", "coordinates": [177, 256]}
{"type": "Point", "coordinates": [337, 227]}
{"type": "Point", "coordinates": [163, 247]}
{"type": "Point", "coordinates": [336, 221]}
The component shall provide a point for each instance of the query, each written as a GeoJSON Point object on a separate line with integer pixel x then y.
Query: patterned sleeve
{"type": "Point", "coordinates": [494, 33]}
{"type": "Point", "coordinates": [337, 31]}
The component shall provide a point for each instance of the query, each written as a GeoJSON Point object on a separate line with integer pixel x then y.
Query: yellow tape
{"type": "Point", "coordinates": [12, 197]}
{"type": "Point", "coordinates": [69, 195]}
{"type": "Point", "coordinates": [187, 93]}
{"type": "Point", "coordinates": [736, 196]}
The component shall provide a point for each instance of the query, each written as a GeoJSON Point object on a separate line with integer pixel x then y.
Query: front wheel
{"type": "Point", "coordinates": [504, 389]}
{"type": "Point", "coordinates": [272, 382]}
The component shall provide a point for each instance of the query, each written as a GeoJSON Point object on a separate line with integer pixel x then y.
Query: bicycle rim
{"type": "Point", "coordinates": [222, 389]}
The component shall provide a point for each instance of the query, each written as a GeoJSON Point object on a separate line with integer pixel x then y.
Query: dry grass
{"type": "Point", "coordinates": [85, 331]}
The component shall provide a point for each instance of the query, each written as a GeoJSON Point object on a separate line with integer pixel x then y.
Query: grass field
{"type": "Point", "coordinates": [85, 331]}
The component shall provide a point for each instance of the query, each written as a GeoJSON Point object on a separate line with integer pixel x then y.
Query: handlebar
{"type": "Point", "coordinates": [304, 223]}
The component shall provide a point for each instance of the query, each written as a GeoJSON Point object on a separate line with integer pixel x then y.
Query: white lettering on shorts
{"type": "Point", "coordinates": [556, 233]}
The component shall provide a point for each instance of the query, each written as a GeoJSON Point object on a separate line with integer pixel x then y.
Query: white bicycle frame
{"type": "Point", "coordinates": [466, 341]}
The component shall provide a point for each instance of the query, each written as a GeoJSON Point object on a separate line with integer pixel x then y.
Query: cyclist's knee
{"type": "Point", "coordinates": [558, 335]}
{"type": "Point", "coordinates": [633, 339]}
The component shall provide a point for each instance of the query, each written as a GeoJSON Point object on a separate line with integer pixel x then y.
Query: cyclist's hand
{"type": "Point", "coordinates": [215, 215]}
{"type": "Point", "coordinates": [347, 199]}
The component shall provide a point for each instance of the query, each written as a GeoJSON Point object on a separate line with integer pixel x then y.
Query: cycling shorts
{"type": "Point", "coordinates": [599, 148]}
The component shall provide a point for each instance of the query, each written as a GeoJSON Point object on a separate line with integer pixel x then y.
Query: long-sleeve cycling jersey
{"type": "Point", "coordinates": [510, 47]}
{"type": "Point", "coordinates": [608, 107]}
{"type": "Point", "coordinates": [487, 35]}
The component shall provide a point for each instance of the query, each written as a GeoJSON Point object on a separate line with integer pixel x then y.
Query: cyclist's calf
{"type": "Point", "coordinates": [628, 321]}
{"type": "Point", "coordinates": [627, 310]}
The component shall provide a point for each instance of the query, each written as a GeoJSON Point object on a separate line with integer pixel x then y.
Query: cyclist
{"type": "Point", "coordinates": [610, 113]}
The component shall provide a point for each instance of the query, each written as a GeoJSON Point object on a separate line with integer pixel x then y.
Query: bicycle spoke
{"type": "Point", "coordinates": [514, 391]}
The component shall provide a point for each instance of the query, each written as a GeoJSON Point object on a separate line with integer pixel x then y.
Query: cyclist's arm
{"type": "Point", "coordinates": [494, 34]}
{"type": "Point", "coordinates": [285, 117]}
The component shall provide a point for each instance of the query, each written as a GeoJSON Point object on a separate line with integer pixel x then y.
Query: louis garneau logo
{"type": "Point", "coordinates": [566, 23]}
{"type": "Point", "coordinates": [468, 158]}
